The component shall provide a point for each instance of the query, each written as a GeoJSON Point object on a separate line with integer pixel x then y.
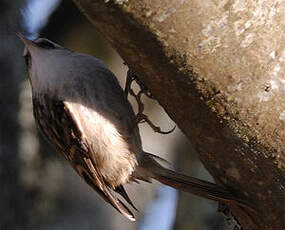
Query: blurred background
{"type": "Point", "coordinates": [38, 189]}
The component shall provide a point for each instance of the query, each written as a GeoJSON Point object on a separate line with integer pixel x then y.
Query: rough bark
{"type": "Point", "coordinates": [217, 68]}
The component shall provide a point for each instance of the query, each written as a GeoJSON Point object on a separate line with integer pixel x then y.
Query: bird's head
{"type": "Point", "coordinates": [32, 48]}
{"type": "Point", "coordinates": [53, 68]}
{"type": "Point", "coordinates": [47, 63]}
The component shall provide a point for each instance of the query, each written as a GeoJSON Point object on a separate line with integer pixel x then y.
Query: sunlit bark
{"type": "Point", "coordinates": [217, 68]}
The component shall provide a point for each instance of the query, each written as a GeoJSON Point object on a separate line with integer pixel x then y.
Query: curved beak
{"type": "Point", "coordinates": [26, 41]}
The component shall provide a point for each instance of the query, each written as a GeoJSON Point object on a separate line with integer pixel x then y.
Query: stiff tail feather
{"type": "Point", "coordinates": [192, 185]}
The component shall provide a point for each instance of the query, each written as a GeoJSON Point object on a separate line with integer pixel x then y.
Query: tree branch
{"type": "Point", "coordinates": [217, 68]}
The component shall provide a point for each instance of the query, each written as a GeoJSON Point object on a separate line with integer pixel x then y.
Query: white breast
{"type": "Point", "coordinates": [115, 161]}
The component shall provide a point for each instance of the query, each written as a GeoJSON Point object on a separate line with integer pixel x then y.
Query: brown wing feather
{"type": "Point", "coordinates": [95, 180]}
{"type": "Point", "coordinates": [121, 190]}
{"type": "Point", "coordinates": [57, 125]}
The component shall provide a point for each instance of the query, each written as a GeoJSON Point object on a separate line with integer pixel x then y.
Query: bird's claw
{"type": "Point", "coordinates": [141, 117]}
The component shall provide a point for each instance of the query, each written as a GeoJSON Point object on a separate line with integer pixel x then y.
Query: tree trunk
{"type": "Point", "coordinates": [217, 68]}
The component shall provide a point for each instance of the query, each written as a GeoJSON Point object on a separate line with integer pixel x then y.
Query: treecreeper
{"type": "Point", "coordinates": [82, 111]}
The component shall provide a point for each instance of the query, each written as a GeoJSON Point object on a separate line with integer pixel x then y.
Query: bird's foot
{"type": "Point", "coordinates": [141, 117]}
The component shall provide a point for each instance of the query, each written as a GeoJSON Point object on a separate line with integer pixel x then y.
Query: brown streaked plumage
{"type": "Point", "coordinates": [83, 112]}
{"type": "Point", "coordinates": [56, 124]}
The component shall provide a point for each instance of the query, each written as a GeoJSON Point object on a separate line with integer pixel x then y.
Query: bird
{"type": "Point", "coordinates": [82, 111]}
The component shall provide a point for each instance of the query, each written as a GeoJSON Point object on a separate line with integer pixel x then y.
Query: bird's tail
{"type": "Point", "coordinates": [152, 169]}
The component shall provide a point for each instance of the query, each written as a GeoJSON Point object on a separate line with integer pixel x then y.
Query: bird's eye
{"type": "Point", "coordinates": [45, 44]}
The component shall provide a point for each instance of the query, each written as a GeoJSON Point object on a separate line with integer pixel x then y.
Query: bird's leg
{"type": "Point", "coordinates": [131, 76]}
{"type": "Point", "coordinates": [129, 81]}
{"type": "Point", "coordinates": [141, 117]}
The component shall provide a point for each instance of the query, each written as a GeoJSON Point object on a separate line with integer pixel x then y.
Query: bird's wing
{"type": "Point", "coordinates": [84, 162]}
{"type": "Point", "coordinates": [93, 178]}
